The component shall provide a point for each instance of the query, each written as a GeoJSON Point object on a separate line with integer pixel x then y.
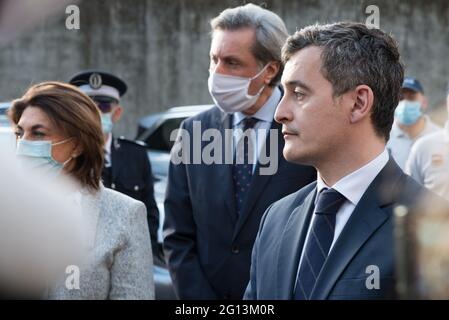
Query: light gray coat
{"type": "Point", "coordinates": [120, 264]}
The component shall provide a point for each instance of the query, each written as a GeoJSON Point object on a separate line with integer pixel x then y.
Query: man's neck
{"type": "Point", "coordinates": [415, 129]}
{"type": "Point", "coordinates": [345, 162]}
{"type": "Point", "coordinates": [264, 96]}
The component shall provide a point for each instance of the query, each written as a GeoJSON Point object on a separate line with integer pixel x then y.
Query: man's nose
{"type": "Point", "coordinates": [283, 113]}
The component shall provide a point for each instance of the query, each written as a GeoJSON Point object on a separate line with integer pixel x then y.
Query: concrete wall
{"type": "Point", "coordinates": [161, 47]}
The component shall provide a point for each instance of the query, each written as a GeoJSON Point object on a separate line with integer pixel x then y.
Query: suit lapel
{"type": "Point", "coordinates": [259, 182]}
{"type": "Point", "coordinates": [116, 149]}
{"type": "Point", "coordinates": [291, 246]}
{"type": "Point", "coordinates": [366, 219]}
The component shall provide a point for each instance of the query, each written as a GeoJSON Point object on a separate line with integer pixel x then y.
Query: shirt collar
{"type": "Point", "coordinates": [108, 144]}
{"type": "Point", "coordinates": [354, 185]}
{"type": "Point", "coordinates": [265, 113]}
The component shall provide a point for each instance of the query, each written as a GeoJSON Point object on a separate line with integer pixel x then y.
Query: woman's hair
{"type": "Point", "coordinates": [77, 116]}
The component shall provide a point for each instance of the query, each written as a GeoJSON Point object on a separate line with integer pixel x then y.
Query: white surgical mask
{"type": "Point", "coordinates": [230, 93]}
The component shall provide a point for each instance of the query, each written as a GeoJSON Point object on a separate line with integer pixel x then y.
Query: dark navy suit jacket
{"type": "Point", "coordinates": [366, 240]}
{"type": "Point", "coordinates": [207, 245]}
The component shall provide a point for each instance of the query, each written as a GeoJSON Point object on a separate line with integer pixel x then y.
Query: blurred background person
{"type": "Point", "coordinates": [410, 122]}
{"type": "Point", "coordinates": [127, 168]}
{"type": "Point", "coordinates": [428, 162]}
{"type": "Point", "coordinates": [29, 204]}
{"type": "Point", "coordinates": [58, 131]}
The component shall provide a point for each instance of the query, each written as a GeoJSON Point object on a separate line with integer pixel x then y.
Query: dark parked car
{"type": "Point", "coordinates": [155, 131]}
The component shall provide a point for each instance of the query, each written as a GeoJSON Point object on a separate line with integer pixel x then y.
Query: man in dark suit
{"type": "Point", "coordinates": [333, 239]}
{"type": "Point", "coordinates": [127, 168]}
{"type": "Point", "coordinates": [213, 209]}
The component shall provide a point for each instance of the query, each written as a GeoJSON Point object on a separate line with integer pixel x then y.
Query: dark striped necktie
{"type": "Point", "coordinates": [318, 242]}
{"type": "Point", "coordinates": [242, 170]}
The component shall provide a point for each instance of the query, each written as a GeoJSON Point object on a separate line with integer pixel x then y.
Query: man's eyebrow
{"type": "Point", "coordinates": [298, 83]}
{"type": "Point", "coordinates": [228, 57]}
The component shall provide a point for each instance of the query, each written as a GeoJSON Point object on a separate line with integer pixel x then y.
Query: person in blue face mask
{"type": "Point", "coordinates": [59, 133]}
{"type": "Point", "coordinates": [127, 168]}
{"type": "Point", "coordinates": [428, 162]}
{"type": "Point", "coordinates": [410, 122]}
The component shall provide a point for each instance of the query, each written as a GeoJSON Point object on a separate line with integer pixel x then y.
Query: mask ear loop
{"type": "Point", "coordinates": [67, 161]}
{"type": "Point", "coordinates": [62, 142]}
{"type": "Point", "coordinates": [260, 72]}
{"type": "Point", "coordinates": [255, 77]}
{"type": "Point", "coordinates": [72, 156]}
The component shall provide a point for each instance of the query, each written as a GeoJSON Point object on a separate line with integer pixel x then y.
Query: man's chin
{"type": "Point", "coordinates": [294, 156]}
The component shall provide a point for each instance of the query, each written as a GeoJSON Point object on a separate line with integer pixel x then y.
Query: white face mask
{"type": "Point", "coordinates": [230, 93]}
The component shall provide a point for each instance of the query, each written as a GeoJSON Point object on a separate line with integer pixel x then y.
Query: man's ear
{"type": "Point", "coordinates": [363, 103]}
{"type": "Point", "coordinates": [272, 71]}
{"type": "Point", "coordinates": [117, 114]}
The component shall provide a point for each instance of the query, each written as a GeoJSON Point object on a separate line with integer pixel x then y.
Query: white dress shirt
{"type": "Point", "coordinates": [352, 186]}
{"type": "Point", "coordinates": [265, 115]}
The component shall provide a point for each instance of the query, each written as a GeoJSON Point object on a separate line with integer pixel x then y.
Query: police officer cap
{"type": "Point", "coordinates": [412, 84]}
{"type": "Point", "coordinates": [96, 83]}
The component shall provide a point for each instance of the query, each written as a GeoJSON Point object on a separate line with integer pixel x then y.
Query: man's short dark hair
{"type": "Point", "coordinates": [354, 55]}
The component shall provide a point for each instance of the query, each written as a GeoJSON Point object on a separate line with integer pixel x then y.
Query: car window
{"type": "Point", "coordinates": [160, 138]}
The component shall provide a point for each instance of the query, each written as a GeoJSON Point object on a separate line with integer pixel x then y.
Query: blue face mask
{"type": "Point", "coordinates": [408, 112]}
{"type": "Point", "coordinates": [106, 122]}
{"type": "Point", "coordinates": [36, 155]}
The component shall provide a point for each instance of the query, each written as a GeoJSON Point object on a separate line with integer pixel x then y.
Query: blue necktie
{"type": "Point", "coordinates": [318, 242]}
{"type": "Point", "coordinates": [242, 172]}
